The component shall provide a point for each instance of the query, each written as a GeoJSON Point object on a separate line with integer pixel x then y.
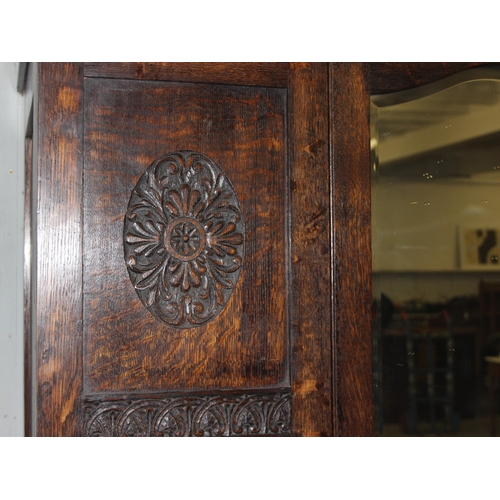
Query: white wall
{"type": "Point", "coordinates": [416, 228]}
{"type": "Point", "coordinates": [11, 253]}
{"type": "Point", "coordinates": [415, 223]}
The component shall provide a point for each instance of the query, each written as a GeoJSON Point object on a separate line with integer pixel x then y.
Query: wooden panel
{"type": "Point", "coordinates": [350, 143]}
{"type": "Point", "coordinates": [310, 200]}
{"type": "Point", "coordinates": [259, 74]}
{"type": "Point", "coordinates": [230, 376]}
{"type": "Point", "coordinates": [128, 125]}
{"type": "Point", "coordinates": [59, 264]}
{"type": "Point", "coordinates": [395, 77]}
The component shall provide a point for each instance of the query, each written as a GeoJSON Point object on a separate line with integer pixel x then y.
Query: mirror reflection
{"type": "Point", "coordinates": [436, 257]}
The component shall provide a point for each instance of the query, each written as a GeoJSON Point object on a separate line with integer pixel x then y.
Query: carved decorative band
{"type": "Point", "coordinates": [221, 415]}
{"type": "Point", "coordinates": [183, 239]}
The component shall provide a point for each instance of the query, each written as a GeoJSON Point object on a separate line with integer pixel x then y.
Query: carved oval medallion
{"type": "Point", "coordinates": [183, 239]}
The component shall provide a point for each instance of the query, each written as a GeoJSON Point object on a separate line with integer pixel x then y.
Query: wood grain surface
{"type": "Point", "coordinates": [395, 77]}
{"type": "Point", "coordinates": [351, 244]}
{"type": "Point", "coordinates": [59, 250]}
{"type": "Point", "coordinates": [256, 74]}
{"type": "Point", "coordinates": [311, 293]}
{"type": "Point", "coordinates": [129, 124]}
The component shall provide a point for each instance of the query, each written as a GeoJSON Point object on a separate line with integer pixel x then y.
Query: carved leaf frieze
{"type": "Point", "coordinates": [221, 415]}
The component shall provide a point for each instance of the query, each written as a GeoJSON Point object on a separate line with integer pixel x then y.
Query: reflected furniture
{"type": "Point", "coordinates": [493, 363]}
{"type": "Point", "coordinates": [422, 360]}
{"type": "Point", "coordinates": [489, 307]}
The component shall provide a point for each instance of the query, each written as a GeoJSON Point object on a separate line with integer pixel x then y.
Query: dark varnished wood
{"type": "Point", "coordinates": [128, 125]}
{"type": "Point", "coordinates": [59, 255]}
{"type": "Point", "coordinates": [310, 234]}
{"type": "Point", "coordinates": [395, 77]}
{"type": "Point", "coordinates": [351, 249]}
{"type": "Point", "coordinates": [255, 74]}
{"type": "Point", "coordinates": [128, 354]}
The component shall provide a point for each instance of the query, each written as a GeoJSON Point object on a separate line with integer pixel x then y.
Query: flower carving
{"type": "Point", "coordinates": [183, 239]}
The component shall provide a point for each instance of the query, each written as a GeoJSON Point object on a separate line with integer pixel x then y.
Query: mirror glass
{"type": "Point", "coordinates": [436, 256]}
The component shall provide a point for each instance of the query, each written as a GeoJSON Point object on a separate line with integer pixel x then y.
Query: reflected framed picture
{"type": "Point", "coordinates": [480, 248]}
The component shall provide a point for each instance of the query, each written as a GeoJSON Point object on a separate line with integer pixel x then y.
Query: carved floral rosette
{"type": "Point", "coordinates": [183, 239]}
{"type": "Point", "coordinates": [220, 415]}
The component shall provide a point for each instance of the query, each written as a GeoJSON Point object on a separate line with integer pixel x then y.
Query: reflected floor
{"type": "Point", "coordinates": [474, 427]}
{"type": "Point", "coordinates": [479, 426]}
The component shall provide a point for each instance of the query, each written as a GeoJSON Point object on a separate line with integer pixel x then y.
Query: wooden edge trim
{"type": "Point", "coordinates": [395, 77]}
{"type": "Point", "coordinates": [310, 240]}
{"type": "Point", "coordinates": [58, 248]}
{"type": "Point", "coordinates": [351, 249]}
{"type": "Point", "coordinates": [253, 74]}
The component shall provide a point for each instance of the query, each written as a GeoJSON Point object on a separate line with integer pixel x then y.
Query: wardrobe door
{"type": "Point", "coordinates": [183, 250]}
